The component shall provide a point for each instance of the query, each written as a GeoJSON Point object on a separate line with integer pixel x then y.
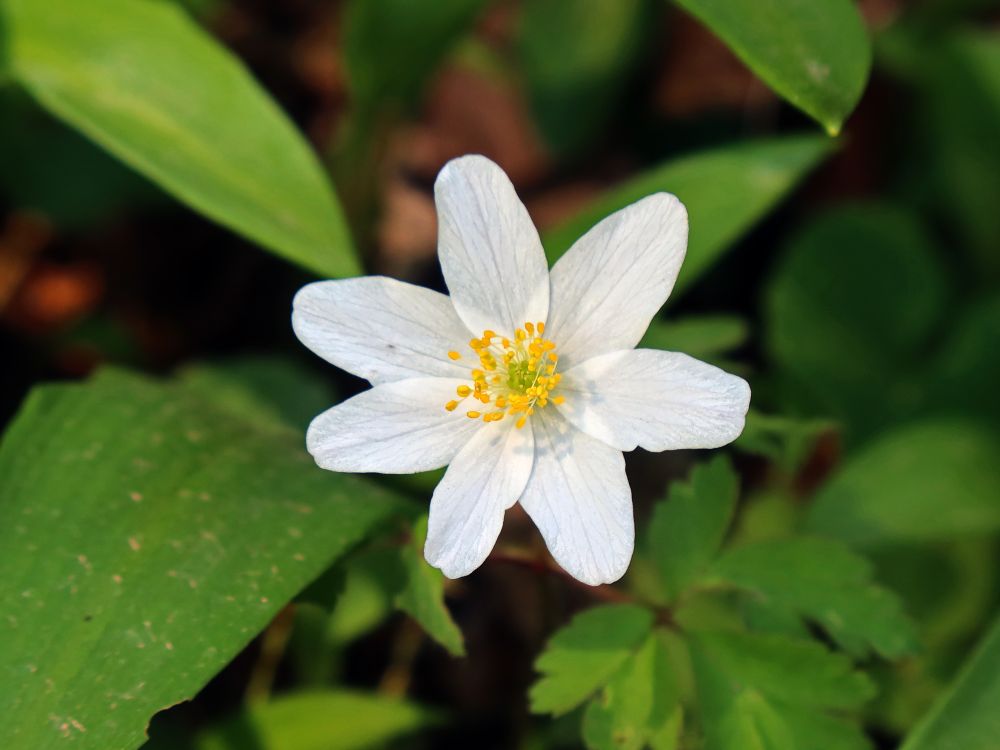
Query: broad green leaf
{"type": "Point", "coordinates": [793, 671]}
{"type": "Point", "coordinates": [824, 581]}
{"type": "Point", "coordinates": [933, 479]}
{"type": "Point", "coordinates": [850, 310]}
{"type": "Point", "coordinates": [814, 53]}
{"type": "Point", "coordinates": [967, 716]}
{"type": "Point", "coordinates": [702, 336]}
{"type": "Point", "coordinates": [585, 654]}
{"type": "Point", "coordinates": [148, 536]}
{"type": "Point", "coordinates": [391, 47]}
{"type": "Point", "coordinates": [688, 527]}
{"type": "Point", "coordinates": [334, 720]}
{"type": "Point", "coordinates": [146, 83]}
{"type": "Point", "coordinates": [639, 706]}
{"type": "Point", "coordinates": [422, 594]}
{"type": "Point", "coordinates": [576, 56]}
{"type": "Point", "coordinates": [823, 732]}
{"type": "Point", "coordinates": [726, 191]}
{"type": "Point", "coordinates": [785, 440]}
{"type": "Point", "coordinates": [271, 389]}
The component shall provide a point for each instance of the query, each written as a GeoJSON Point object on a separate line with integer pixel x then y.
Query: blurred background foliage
{"type": "Point", "coordinates": [171, 171]}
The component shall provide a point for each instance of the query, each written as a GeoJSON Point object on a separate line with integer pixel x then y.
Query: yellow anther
{"type": "Point", "coordinates": [506, 343]}
{"type": "Point", "coordinates": [454, 355]}
{"type": "Point", "coordinates": [476, 344]}
{"type": "Point", "coordinates": [488, 334]}
{"type": "Point", "coordinates": [501, 402]}
{"type": "Point", "coordinates": [521, 422]}
{"type": "Point", "coordinates": [451, 405]}
{"type": "Point", "coordinates": [463, 390]}
{"type": "Point", "coordinates": [520, 335]}
{"type": "Point", "coordinates": [541, 327]}
{"type": "Point", "coordinates": [472, 414]}
{"type": "Point", "coordinates": [478, 375]}
{"type": "Point", "coordinates": [530, 328]}
{"type": "Point", "coordinates": [558, 400]}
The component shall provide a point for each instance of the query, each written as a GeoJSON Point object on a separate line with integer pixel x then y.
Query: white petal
{"type": "Point", "coordinates": [609, 285]}
{"type": "Point", "coordinates": [380, 329]}
{"type": "Point", "coordinates": [486, 477]}
{"type": "Point", "coordinates": [490, 253]}
{"type": "Point", "coordinates": [655, 400]}
{"type": "Point", "coordinates": [395, 428]}
{"type": "Point", "coordinates": [579, 498]}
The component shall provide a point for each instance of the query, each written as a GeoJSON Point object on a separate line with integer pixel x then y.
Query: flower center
{"type": "Point", "coordinates": [514, 376]}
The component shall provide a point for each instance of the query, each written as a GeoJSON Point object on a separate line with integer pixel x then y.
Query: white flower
{"type": "Point", "coordinates": [550, 390]}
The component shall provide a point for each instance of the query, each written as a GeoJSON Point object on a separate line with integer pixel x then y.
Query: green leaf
{"type": "Point", "coordinates": [967, 716]}
{"type": "Point", "coordinates": [726, 191]}
{"type": "Point", "coordinates": [145, 82]}
{"type": "Point", "coordinates": [933, 479]}
{"type": "Point", "coordinates": [391, 47]}
{"type": "Point", "coordinates": [849, 312]}
{"type": "Point", "coordinates": [576, 56]}
{"type": "Point", "coordinates": [148, 536]}
{"type": "Point", "coordinates": [585, 654]}
{"type": "Point", "coordinates": [795, 671]}
{"type": "Point", "coordinates": [701, 336]}
{"type": "Point", "coordinates": [966, 371]}
{"type": "Point", "coordinates": [822, 580]}
{"type": "Point", "coordinates": [814, 53]}
{"type": "Point", "coordinates": [422, 594]}
{"type": "Point", "coordinates": [785, 440]}
{"type": "Point", "coordinates": [333, 720]}
{"type": "Point", "coordinates": [767, 692]}
{"type": "Point", "coordinates": [639, 706]}
{"type": "Point", "coordinates": [688, 527]}
{"type": "Point", "coordinates": [271, 389]}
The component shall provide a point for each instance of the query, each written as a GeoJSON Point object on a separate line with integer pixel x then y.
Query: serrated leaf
{"type": "Point", "coordinates": [123, 73]}
{"type": "Point", "coordinates": [422, 594]}
{"type": "Point", "coordinates": [822, 580]}
{"type": "Point", "coordinates": [585, 654]}
{"type": "Point", "coordinates": [332, 720]}
{"type": "Point", "coordinates": [688, 527]}
{"type": "Point", "coordinates": [767, 692]}
{"type": "Point", "coordinates": [132, 486]}
{"type": "Point", "coordinates": [967, 715]}
{"type": "Point", "coordinates": [792, 670]}
{"type": "Point", "coordinates": [639, 706]}
{"type": "Point", "coordinates": [934, 479]}
{"type": "Point", "coordinates": [814, 53]}
{"type": "Point", "coordinates": [726, 191]}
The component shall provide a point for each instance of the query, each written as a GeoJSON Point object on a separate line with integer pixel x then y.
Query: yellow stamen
{"type": "Point", "coordinates": [472, 414]}
{"type": "Point", "coordinates": [451, 405]}
{"type": "Point", "coordinates": [454, 355]}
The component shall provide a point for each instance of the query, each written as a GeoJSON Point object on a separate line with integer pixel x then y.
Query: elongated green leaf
{"type": "Point", "coordinates": [687, 528]}
{"type": "Point", "coordinates": [147, 537]}
{"type": "Point", "coordinates": [726, 191]}
{"type": "Point", "coordinates": [639, 706]}
{"type": "Point", "coordinates": [422, 594]}
{"type": "Point", "coordinates": [929, 480]}
{"type": "Point", "coordinates": [584, 655]}
{"type": "Point", "coordinates": [824, 581]}
{"type": "Point", "coordinates": [702, 336]}
{"type": "Point", "coordinates": [146, 83]}
{"type": "Point", "coordinates": [967, 716]}
{"type": "Point", "coordinates": [576, 55]}
{"type": "Point", "coordinates": [335, 720]}
{"type": "Point", "coordinates": [814, 53]}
